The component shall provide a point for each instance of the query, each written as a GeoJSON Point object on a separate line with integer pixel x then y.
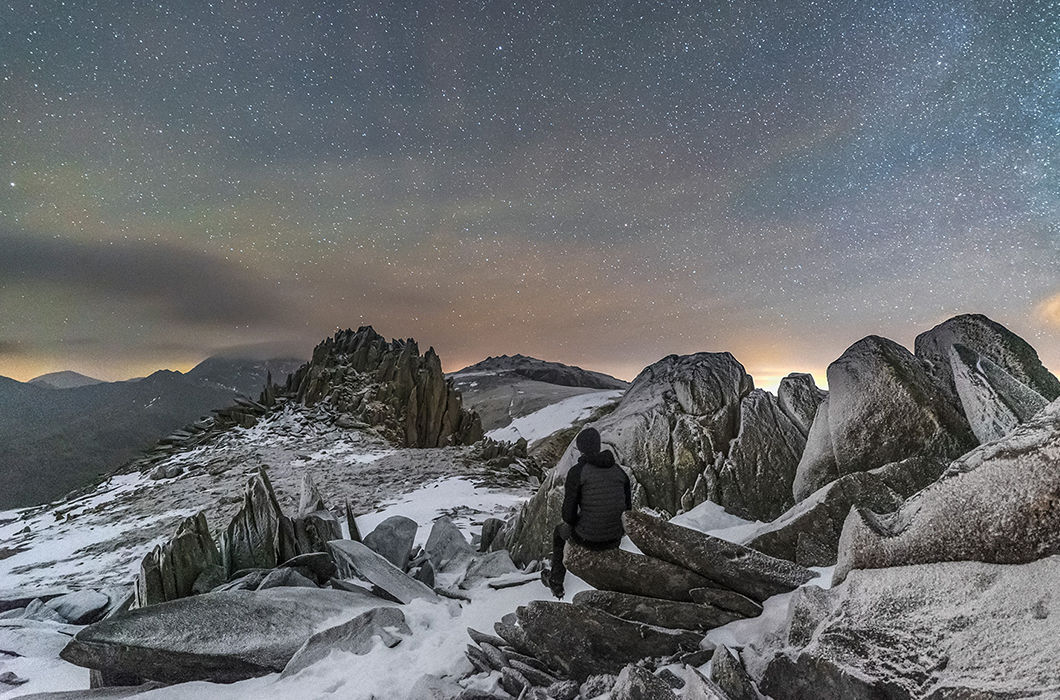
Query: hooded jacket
{"type": "Point", "coordinates": [595, 494]}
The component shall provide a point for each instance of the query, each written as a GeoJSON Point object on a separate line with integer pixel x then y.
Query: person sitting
{"type": "Point", "coordinates": [595, 494]}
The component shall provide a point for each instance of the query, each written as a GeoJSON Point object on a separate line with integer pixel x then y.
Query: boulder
{"type": "Point", "coordinates": [310, 499]}
{"type": "Point", "coordinates": [351, 524]}
{"type": "Point", "coordinates": [34, 638]}
{"type": "Point", "coordinates": [82, 607]}
{"type": "Point", "coordinates": [313, 531]}
{"type": "Point", "coordinates": [946, 630]}
{"type": "Point", "coordinates": [999, 503]}
{"type": "Point", "coordinates": [285, 577]}
{"type": "Point", "coordinates": [808, 534]}
{"type": "Point", "coordinates": [431, 687]}
{"type": "Point", "coordinates": [491, 527]}
{"type": "Point", "coordinates": [817, 466]}
{"type": "Point", "coordinates": [755, 479]}
{"type": "Point", "coordinates": [220, 637]}
{"type": "Point", "coordinates": [39, 612]}
{"type": "Point", "coordinates": [725, 599]}
{"type": "Point", "coordinates": [993, 400]}
{"type": "Point", "coordinates": [317, 566]}
{"type": "Point", "coordinates": [358, 636]}
{"type": "Point", "coordinates": [987, 339]}
{"type": "Point", "coordinates": [260, 536]}
{"type": "Point", "coordinates": [883, 406]}
{"type": "Point", "coordinates": [447, 547]}
{"type": "Point", "coordinates": [656, 612]}
{"type": "Point", "coordinates": [487, 566]}
{"type": "Point", "coordinates": [14, 598]}
{"type": "Point", "coordinates": [596, 685]}
{"type": "Point", "coordinates": [581, 641]}
{"type": "Point", "coordinates": [393, 539]}
{"type": "Point", "coordinates": [626, 572]}
{"type": "Point", "coordinates": [355, 559]}
{"type": "Point", "coordinates": [171, 569]}
{"type": "Point", "coordinates": [799, 398]}
{"type": "Point", "coordinates": [733, 566]}
{"type": "Point", "coordinates": [728, 672]}
{"type": "Point", "coordinates": [637, 683]}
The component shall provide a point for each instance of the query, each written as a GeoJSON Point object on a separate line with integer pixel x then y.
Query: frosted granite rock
{"type": "Point", "coordinates": [799, 398]}
{"type": "Point", "coordinates": [993, 400]}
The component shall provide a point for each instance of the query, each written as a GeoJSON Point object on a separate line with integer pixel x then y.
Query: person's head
{"type": "Point", "coordinates": [588, 441]}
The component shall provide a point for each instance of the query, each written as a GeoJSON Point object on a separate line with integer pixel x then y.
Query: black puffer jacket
{"type": "Point", "coordinates": [595, 494]}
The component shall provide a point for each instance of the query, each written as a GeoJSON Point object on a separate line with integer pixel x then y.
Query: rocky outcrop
{"type": "Point", "coordinates": [220, 637]}
{"type": "Point", "coordinates": [729, 565]}
{"type": "Point", "coordinates": [543, 371]}
{"type": "Point", "coordinates": [993, 400]}
{"type": "Point", "coordinates": [990, 340]}
{"type": "Point", "coordinates": [171, 570]}
{"type": "Point", "coordinates": [388, 385]}
{"type": "Point", "coordinates": [799, 398]}
{"type": "Point", "coordinates": [260, 536]}
{"type": "Point", "coordinates": [947, 630]}
{"type": "Point", "coordinates": [999, 503]}
{"type": "Point", "coordinates": [883, 406]}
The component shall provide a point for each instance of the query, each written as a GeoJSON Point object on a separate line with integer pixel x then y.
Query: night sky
{"type": "Point", "coordinates": [599, 184]}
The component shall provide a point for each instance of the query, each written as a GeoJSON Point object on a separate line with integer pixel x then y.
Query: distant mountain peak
{"type": "Point", "coordinates": [545, 371]}
{"type": "Point", "coordinates": [66, 379]}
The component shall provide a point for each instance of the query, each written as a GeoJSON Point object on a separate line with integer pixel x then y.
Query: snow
{"type": "Point", "coordinates": [557, 416]}
{"type": "Point", "coordinates": [44, 675]}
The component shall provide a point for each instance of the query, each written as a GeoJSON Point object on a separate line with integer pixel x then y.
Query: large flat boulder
{"type": "Point", "coordinates": [999, 503]}
{"type": "Point", "coordinates": [356, 560]}
{"type": "Point", "coordinates": [947, 630]}
{"type": "Point", "coordinates": [581, 641]}
{"type": "Point", "coordinates": [883, 406]}
{"type": "Point", "coordinates": [733, 566]}
{"type": "Point", "coordinates": [656, 612]}
{"type": "Point", "coordinates": [626, 572]}
{"type": "Point", "coordinates": [220, 637]}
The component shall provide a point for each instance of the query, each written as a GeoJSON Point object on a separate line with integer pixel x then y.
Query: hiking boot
{"type": "Point", "coordinates": [555, 586]}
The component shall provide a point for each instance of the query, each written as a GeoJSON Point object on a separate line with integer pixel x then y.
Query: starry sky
{"type": "Point", "coordinates": [594, 183]}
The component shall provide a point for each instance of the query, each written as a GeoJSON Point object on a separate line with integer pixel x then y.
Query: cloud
{"type": "Point", "coordinates": [12, 348]}
{"type": "Point", "coordinates": [1048, 311]}
{"type": "Point", "coordinates": [186, 287]}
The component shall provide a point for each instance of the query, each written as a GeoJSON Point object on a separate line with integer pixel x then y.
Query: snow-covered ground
{"type": "Point", "coordinates": [560, 415]}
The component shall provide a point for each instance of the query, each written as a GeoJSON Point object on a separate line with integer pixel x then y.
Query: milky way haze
{"type": "Point", "coordinates": [600, 185]}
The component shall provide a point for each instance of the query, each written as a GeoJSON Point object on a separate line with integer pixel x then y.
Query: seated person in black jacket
{"type": "Point", "coordinates": [595, 495]}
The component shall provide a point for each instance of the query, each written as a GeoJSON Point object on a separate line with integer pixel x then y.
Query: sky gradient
{"type": "Point", "coordinates": [598, 184]}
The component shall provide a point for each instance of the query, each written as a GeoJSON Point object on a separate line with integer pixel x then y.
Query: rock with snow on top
{"type": "Point", "coordinates": [487, 566]}
{"type": "Point", "coordinates": [80, 608]}
{"type": "Point", "coordinates": [357, 636]}
{"type": "Point", "coordinates": [431, 687]}
{"type": "Point", "coordinates": [355, 559]}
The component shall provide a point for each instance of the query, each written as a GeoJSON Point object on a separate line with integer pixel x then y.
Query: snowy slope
{"type": "Point", "coordinates": [562, 414]}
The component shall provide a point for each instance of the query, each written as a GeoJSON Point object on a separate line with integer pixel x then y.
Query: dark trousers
{"type": "Point", "coordinates": [560, 535]}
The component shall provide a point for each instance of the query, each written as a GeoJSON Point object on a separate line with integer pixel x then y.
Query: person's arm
{"type": "Point", "coordinates": [572, 492]}
{"type": "Point", "coordinates": [629, 490]}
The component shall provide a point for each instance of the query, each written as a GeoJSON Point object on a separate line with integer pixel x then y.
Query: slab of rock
{"type": "Point", "coordinates": [40, 612]}
{"type": "Point", "coordinates": [656, 612]}
{"type": "Point", "coordinates": [171, 569]}
{"type": "Point", "coordinates": [728, 672]}
{"type": "Point", "coordinates": [220, 637]}
{"type": "Point", "coordinates": [999, 503]}
{"type": "Point", "coordinates": [988, 339]}
{"type": "Point", "coordinates": [13, 598]}
{"type": "Point", "coordinates": [285, 577]}
{"type": "Point", "coordinates": [491, 527]}
{"type": "Point", "coordinates": [947, 630]}
{"type": "Point", "coordinates": [626, 572]}
{"type": "Point", "coordinates": [355, 559]}
{"type": "Point", "coordinates": [817, 466]}
{"type": "Point", "coordinates": [755, 479]}
{"type": "Point", "coordinates": [447, 547]}
{"type": "Point", "coordinates": [351, 524]}
{"type": "Point", "coordinates": [637, 683]}
{"type": "Point", "coordinates": [799, 398]}
{"type": "Point", "coordinates": [581, 641]}
{"type": "Point", "coordinates": [34, 638]}
{"type": "Point", "coordinates": [317, 566]}
{"type": "Point", "coordinates": [314, 530]}
{"type": "Point", "coordinates": [808, 534]}
{"type": "Point", "coordinates": [726, 600]}
{"type": "Point", "coordinates": [260, 536]}
{"type": "Point", "coordinates": [82, 607]}
{"type": "Point", "coordinates": [488, 566]}
{"type": "Point", "coordinates": [993, 400]}
{"type": "Point", "coordinates": [883, 406]}
{"type": "Point", "coordinates": [755, 575]}
{"type": "Point", "coordinates": [357, 636]}
{"type": "Point", "coordinates": [393, 539]}
{"type": "Point", "coordinates": [310, 499]}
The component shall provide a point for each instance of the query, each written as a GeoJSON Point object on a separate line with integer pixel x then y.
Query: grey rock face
{"type": "Point", "coordinates": [356, 637]}
{"type": "Point", "coordinates": [998, 503]}
{"type": "Point", "coordinates": [580, 641]}
{"type": "Point", "coordinates": [990, 340]}
{"type": "Point", "coordinates": [636, 683]}
{"type": "Point", "coordinates": [728, 672]}
{"type": "Point", "coordinates": [487, 566]}
{"type": "Point", "coordinates": [285, 577]}
{"type": "Point", "coordinates": [355, 559]}
{"type": "Point", "coordinates": [755, 480]}
{"type": "Point", "coordinates": [724, 599]}
{"type": "Point", "coordinates": [656, 612]}
{"type": "Point", "coordinates": [722, 563]}
{"type": "Point", "coordinates": [393, 539]}
{"type": "Point", "coordinates": [882, 407]}
{"type": "Point", "coordinates": [948, 630]}
{"type": "Point", "coordinates": [993, 400]}
{"type": "Point", "coordinates": [220, 637]}
{"type": "Point", "coordinates": [808, 534]}
{"type": "Point", "coordinates": [799, 398]}
{"type": "Point", "coordinates": [310, 499]}
{"type": "Point", "coordinates": [447, 547]}
{"type": "Point", "coordinates": [626, 572]}
{"type": "Point", "coordinates": [260, 536]}
{"type": "Point", "coordinates": [171, 570]}
{"type": "Point", "coordinates": [82, 607]}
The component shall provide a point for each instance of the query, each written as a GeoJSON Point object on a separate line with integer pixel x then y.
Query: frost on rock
{"type": "Point", "coordinates": [994, 401]}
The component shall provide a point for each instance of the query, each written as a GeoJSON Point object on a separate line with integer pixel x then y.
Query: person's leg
{"type": "Point", "coordinates": [557, 572]}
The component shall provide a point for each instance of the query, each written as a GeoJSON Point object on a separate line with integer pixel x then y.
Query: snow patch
{"type": "Point", "coordinates": [557, 416]}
